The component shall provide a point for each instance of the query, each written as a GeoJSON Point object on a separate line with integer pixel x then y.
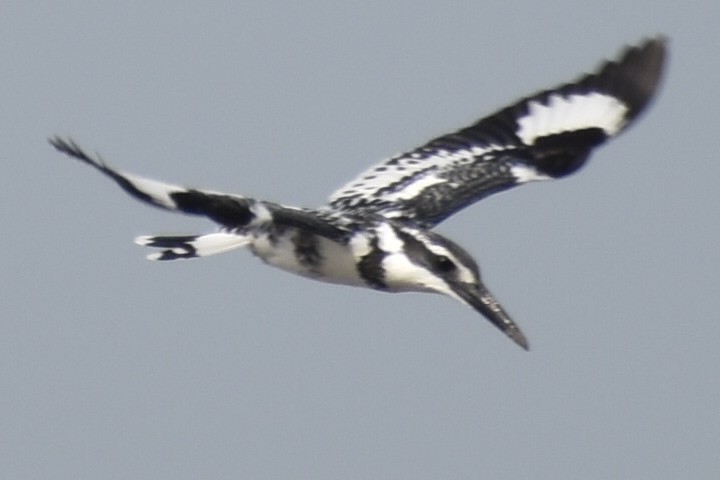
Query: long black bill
{"type": "Point", "coordinates": [480, 298]}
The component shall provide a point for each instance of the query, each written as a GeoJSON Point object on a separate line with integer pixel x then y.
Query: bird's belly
{"type": "Point", "coordinates": [309, 256]}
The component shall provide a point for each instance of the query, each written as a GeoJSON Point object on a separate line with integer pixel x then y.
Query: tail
{"type": "Point", "coordinates": [192, 246]}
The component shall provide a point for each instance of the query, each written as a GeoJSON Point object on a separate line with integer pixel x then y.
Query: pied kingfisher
{"type": "Point", "coordinates": [376, 231]}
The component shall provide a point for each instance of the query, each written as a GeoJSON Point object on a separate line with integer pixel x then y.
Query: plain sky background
{"type": "Point", "coordinates": [114, 367]}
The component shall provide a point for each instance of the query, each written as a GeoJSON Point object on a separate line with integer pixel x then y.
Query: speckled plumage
{"type": "Point", "coordinates": [376, 230]}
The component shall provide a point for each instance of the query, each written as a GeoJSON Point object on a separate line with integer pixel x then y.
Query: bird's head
{"type": "Point", "coordinates": [421, 260]}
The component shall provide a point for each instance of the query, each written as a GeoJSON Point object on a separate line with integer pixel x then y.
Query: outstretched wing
{"type": "Point", "coordinates": [544, 136]}
{"type": "Point", "coordinates": [233, 213]}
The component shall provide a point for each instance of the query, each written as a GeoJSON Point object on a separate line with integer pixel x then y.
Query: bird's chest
{"type": "Point", "coordinates": [309, 255]}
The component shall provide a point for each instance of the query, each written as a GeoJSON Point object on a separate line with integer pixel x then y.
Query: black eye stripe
{"type": "Point", "coordinates": [419, 253]}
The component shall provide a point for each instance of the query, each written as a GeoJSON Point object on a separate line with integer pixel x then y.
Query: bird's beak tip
{"type": "Point", "coordinates": [518, 337]}
{"type": "Point", "coordinates": [479, 298]}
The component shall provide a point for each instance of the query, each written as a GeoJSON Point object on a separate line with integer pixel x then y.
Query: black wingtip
{"type": "Point", "coordinates": [64, 145]}
{"type": "Point", "coordinates": [68, 146]}
{"type": "Point", "coordinates": [634, 76]}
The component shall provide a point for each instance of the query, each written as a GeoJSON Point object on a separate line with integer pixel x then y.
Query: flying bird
{"type": "Point", "coordinates": [377, 230]}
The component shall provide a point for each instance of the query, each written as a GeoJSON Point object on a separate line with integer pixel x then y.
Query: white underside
{"type": "Point", "coordinates": [337, 266]}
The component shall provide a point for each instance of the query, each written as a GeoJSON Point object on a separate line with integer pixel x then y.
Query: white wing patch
{"type": "Point", "coordinates": [527, 173]}
{"type": "Point", "coordinates": [569, 113]}
{"type": "Point", "coordinates": [415, 188]}
{"type": "Point", "coordinates": [159, 191]}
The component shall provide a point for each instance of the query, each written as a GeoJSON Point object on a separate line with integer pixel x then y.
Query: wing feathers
{"type": "Point", "coordinates": [229, 211]}
{"type": "Point", "coordinates": [547, 135]}
{"type": "Point", "coordinates": [237, 216]}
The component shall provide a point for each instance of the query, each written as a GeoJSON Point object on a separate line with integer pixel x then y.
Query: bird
{"type": "Point", "coordinates": [377, 231]}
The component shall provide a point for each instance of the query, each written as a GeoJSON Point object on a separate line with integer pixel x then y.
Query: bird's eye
{"type": "Point", "coordinates": [444, 264]}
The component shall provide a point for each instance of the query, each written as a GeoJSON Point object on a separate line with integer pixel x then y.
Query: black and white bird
{"type": "Point", "coordinates": [377, 230]}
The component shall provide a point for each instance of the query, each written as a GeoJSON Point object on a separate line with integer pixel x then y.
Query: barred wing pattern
{"type": "Point", "coordinates": [544, 136]}
{"type": "Point", "coordinates": [233, 213]}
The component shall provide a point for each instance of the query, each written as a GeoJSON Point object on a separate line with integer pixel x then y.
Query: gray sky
{"type": "Point", "coordinates": [114, 367]}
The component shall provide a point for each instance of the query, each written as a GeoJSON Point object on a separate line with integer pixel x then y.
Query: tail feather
{"type": "Point", "coordinates": [176, 247]}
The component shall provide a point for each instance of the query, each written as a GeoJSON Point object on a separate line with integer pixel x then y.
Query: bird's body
{"type": "Point", "coordinates": [376, 231]}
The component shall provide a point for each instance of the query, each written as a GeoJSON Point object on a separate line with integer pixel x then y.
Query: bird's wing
{"type": "Point", "coordinates": [233, 213]}
{"type": "Point", "coordinates": [544, 136]}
